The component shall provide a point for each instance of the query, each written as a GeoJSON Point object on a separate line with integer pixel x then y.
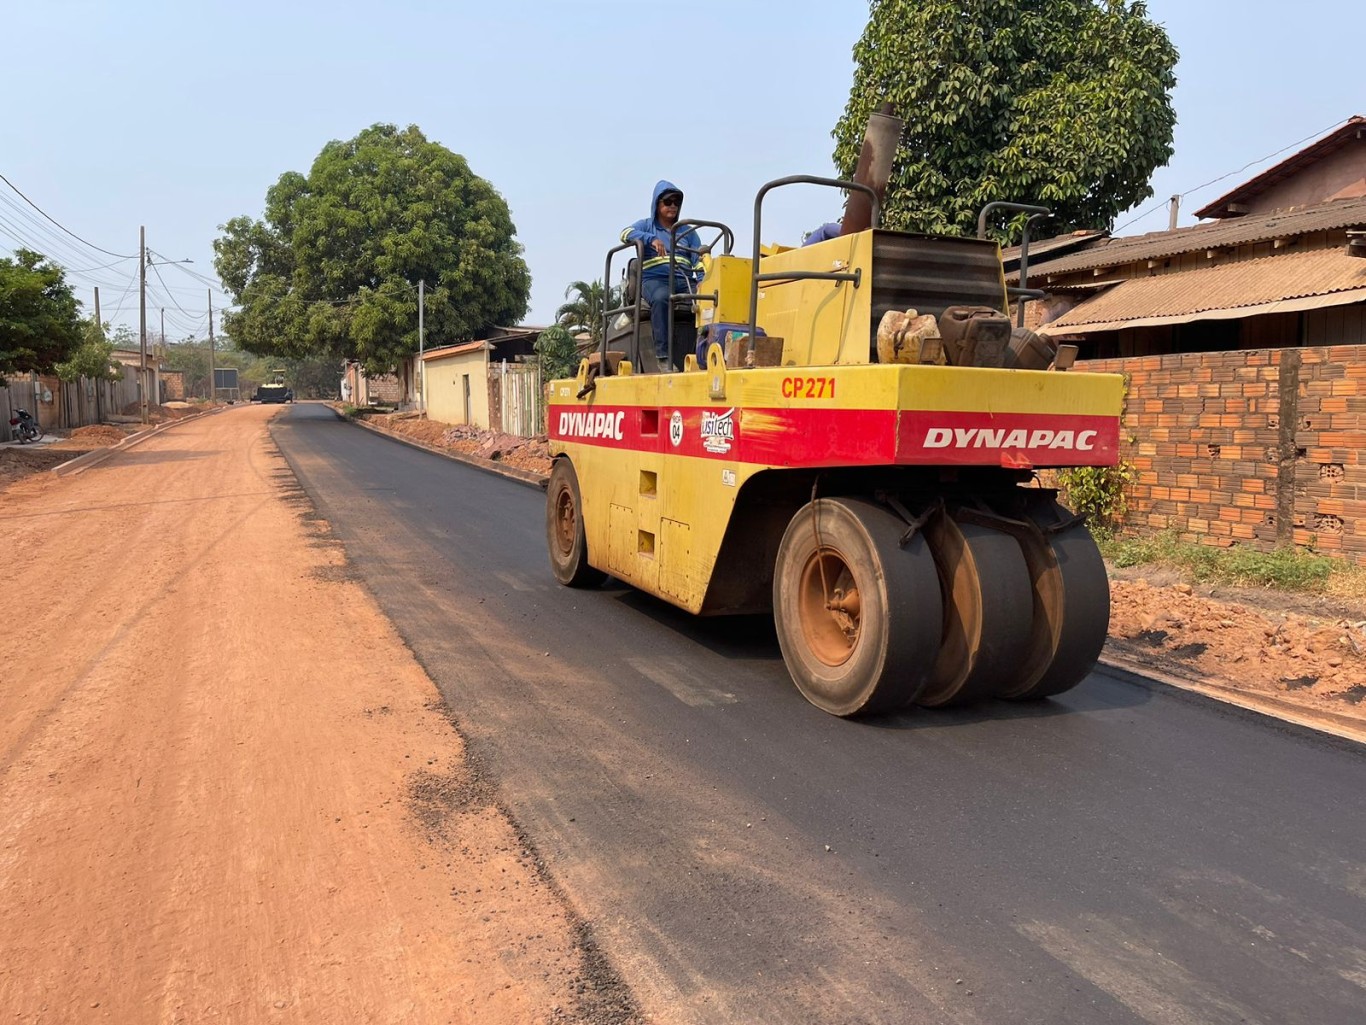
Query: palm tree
{"type": "Point", "coordinates": [583, 312]}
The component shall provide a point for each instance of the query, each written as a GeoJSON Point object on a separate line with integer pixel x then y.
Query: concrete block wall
{"type": "Point", "coordinates": [1261, 447]}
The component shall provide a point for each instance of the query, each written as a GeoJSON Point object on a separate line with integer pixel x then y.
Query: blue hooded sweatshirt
{"type": "Point", "coordinates": [688, 260]}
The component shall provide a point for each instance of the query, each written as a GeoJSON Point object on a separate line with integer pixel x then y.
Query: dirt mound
{"type": "Point", "coordinates": [525, 453]}
{"type": "Point", "coordinates": [1320, 662]}
{"type": "Point", "coordinates": [98, 435]}
{"type": "Point", "coordinates": [157, 414]}
{"type": "Point", "coordinates": [531, 454]}
{"type": "Point", "coordinates": [18, 463]}
{"type": "Point", "coordinates": [427, 431]}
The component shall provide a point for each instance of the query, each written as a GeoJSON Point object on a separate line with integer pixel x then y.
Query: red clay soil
{"type": "Point", "coordinates": [228, 792]}
{"type": "Point", "coordinates": [1313, 657]}
{"type": "Point", "coordinates": [95, 436]}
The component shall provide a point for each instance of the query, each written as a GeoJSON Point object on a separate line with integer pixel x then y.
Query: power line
{"type": "Point", "coordinates": [194, 274]}
{"type": "Point", "coordinates": [31, 233]}
{"type": "Point", "coordinates": [106, 252]}
{"type": "Point", "coordinates": [103, 266]}
{"type": "Point", "coordinates": [124, 298]}
{"type": "Point", "coordinates": [1216, 181]}
{"type": "Point", "coordinates": [1313, 135]}
{"type": "Point", "coordinates": [24, 242]}
{"type": "Point", "coordinates": [157, 271]}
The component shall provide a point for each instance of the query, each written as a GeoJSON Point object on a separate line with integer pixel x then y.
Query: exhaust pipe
{"type": "Point", "coordinates": [880, 140]}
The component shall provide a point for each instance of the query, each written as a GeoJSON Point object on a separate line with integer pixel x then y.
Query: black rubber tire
{"type": "Point", "coordinates": [901, 614]}
{"type": "Point", "coordinates": [1072, 598]}
{"type": "Point", "coordinates": [565, 537]}
{"type": "Point", "coordinates": [988, 611]}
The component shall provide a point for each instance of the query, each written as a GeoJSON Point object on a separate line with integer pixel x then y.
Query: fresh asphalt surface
{"type": "Point", "coordinates": [1121, 854]}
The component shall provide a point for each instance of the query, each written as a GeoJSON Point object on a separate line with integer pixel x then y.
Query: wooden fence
{"type": "Point", "coordinates": [64, 404]}
{"type": "Point", "coordinates": [516, 399]}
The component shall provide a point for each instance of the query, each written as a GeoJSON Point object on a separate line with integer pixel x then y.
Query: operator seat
{"type": "Point", "coordinates": [619, 337]}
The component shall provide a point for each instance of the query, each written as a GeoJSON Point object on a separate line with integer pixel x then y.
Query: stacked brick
{"type": "Point", "coordinates": [1261, 447]}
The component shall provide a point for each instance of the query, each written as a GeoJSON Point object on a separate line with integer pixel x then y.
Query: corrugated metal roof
{"type": "Point", "coordinates": [1232, 286]}
{"type": "Point", "coordinates": [1157, 245]}
{"type": "Point", "coordinates": [454, 350]}
{"type": "Point", "coordinates": [1010, 258]}
{"type": "Point", "coordinates": [507, 334]}
{"type": "Point", "coordinates": [1345, 133]}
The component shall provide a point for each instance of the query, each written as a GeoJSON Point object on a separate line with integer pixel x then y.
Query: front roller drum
{"type": "Point", "coordinates": [565, 535]}
{"type": "Point", "coordinates": [858, 616]}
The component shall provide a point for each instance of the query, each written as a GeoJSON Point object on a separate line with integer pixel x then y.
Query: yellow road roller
{"type": "Point", "coordinates": [853, 446]}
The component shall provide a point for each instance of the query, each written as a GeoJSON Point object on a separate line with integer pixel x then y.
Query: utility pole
{"type": "Point", "coordinates": [142, 313]}
{"type": "Point", "coordinates": [1175, 214]}
{"type": "Point", "coordinates": [213, 382]}
{"type": "Point", "coordinates": [99, 385]}
{"type": "Point", "coordinates": [421, 369]}
{"type": "Point", "coordinates": [162, 346]}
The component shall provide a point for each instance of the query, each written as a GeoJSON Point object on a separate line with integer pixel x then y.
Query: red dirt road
{"type": "Point", "coordinates": [227, 791]}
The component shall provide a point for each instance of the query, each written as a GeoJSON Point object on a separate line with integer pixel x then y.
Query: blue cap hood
{"type": "Point", "coordinates": [661, 187]}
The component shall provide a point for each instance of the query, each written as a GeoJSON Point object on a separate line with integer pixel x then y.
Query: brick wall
{"type": "Point", "coordinates": [1259, 447]}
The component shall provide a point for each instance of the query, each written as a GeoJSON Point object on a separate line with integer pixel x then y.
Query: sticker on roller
{"type": "Point", "coordinates": [718, 431]}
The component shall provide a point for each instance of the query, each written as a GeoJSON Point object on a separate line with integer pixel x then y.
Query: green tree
{"type": "Point", "coordinates": [191, 358]}
{"type": "Point", "coordinates": [314, 377]}
{"type": "Point", "coordinates": [558, 353]}
{"type": "Point", "coordinates": [332, 269]}
{"type": "Point", "coordinates": [583, 311]}
{"type": "Point", "coordinates": [1061, 102]}
{"type": "Point", "coordinates": [92, 358]}
{"type": "Point", "coordinates": [39, 321]}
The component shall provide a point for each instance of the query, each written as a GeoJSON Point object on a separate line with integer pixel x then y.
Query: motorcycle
{"type": "Point", "coordinates": [26, 427]}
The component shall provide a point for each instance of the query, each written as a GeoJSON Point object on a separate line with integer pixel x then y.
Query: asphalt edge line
{"type": "Point", "coordinates": [1331, 723]}
{"type": "Point", "coordinates": [527, 477]}
{"type": "Point", "coordinates": [88, 459]}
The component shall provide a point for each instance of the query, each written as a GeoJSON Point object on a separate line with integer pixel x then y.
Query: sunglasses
{"type": "Point", "coordinates": [670, 200]}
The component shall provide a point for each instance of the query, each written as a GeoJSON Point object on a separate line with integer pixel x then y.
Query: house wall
{"type": "Point", "coordinates": [1257, 447]}
{"type": "Point", "coordinates": [445, 389]}
{"type": "Point", "coordinates": [1340, 175]}
{"type": "Point", "coordinates": [72, 403]}
{"type": "Point", "coordinates": [389, 388]}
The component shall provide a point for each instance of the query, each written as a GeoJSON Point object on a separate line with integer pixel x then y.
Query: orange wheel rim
{"type": "Point", "coordinates": [828, 607]}
{"type": "Point", "coordinates": [566, 520]}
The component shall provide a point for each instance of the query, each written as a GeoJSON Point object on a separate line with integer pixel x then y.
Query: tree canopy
{"type": "Point", "coordinates": [332, 270]}
{"type": "Point", "coordinates": [558, 353]}
{"type": "Point", "coordinates": [92, 358]}
{"type": "Point", "coordinates": [583, 312]}
{"type": "Point", "coordinates": [39, 321]}
{"type": "Point", "coordinates": [1066, 103]}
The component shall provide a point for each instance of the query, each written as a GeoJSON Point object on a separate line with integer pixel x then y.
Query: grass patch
{"type": "Point", "coordinates": [363, 411]}
{"type": "Point", "coordinates": [1285, 569]}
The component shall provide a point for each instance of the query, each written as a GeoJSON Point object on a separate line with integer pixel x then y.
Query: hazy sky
{"type": "Point", "coordinates": [180, 115]}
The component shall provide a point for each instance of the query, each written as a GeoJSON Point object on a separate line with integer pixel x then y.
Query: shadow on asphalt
{"type": "Point", "coordinates": [740, 637]}
{"type": "Point", "coordinates": [753, 639]}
